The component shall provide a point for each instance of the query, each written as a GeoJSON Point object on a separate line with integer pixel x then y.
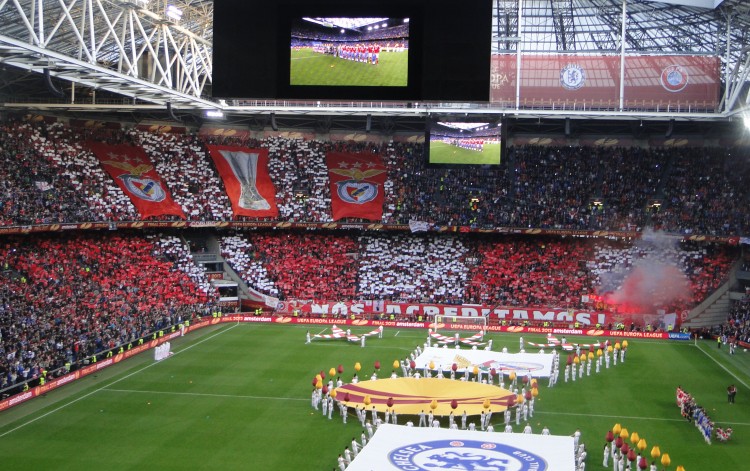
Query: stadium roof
{"type": "Point", "coordinates": [143, 54]}
{"type": "Point", "coordinates": [346, 23]}
{"type": "Point", "coordinates": [459, 125]}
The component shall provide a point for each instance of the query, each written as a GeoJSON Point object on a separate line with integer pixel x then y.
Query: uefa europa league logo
{"type": "Point", "coordinates": [245, 168]}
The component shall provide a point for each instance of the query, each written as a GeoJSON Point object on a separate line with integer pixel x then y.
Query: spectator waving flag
{"type": "Point", "coordinates": [245, 175]}
{"type": "Point", "coordinates": [357, 185]}
{"type": "Point", "coordinates": [134, 173]}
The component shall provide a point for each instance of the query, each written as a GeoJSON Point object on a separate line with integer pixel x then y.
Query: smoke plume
{"type": "Point", "coordinates": [647, 277]}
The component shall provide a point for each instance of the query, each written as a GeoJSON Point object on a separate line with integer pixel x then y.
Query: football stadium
{"type": "Point", "coordinates": [319, 235]}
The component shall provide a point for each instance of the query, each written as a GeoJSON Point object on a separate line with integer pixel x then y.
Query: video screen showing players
{"type": "Point", "coordinates": [359, 52]}
{"type": "Point", "coordinates": [464, 143]}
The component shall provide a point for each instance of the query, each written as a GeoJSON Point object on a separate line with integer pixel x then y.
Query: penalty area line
{"type": "Point", "coordinates": [700, 347]}
{"type": "Point", "coordinates": [110, 384]}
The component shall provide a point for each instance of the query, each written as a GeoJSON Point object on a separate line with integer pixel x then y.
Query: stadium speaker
{"type": "Point", "coordinates": [274, 126]}
{"type": "Point", "coordinates": [567, 127]}
{"type": "Point", "coordinates": [670, 129]}
{"type": "Point", "coordinates": [170, 112]}
{"type": "Point", "coordinates": [51, 86]}
{"type": "Point", "coordinates": [368, 124]}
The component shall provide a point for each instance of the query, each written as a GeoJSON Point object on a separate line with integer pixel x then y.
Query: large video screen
{"type": "Point", "coordinates": [349, 52]}
{"type": "Point", "coordinates": [399, 50]}
{"type": "Point", "coordinates": [464, 142]}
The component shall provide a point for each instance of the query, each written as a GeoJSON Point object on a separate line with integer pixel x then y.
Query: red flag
{"type": "Point", "coordinates": [357, 185]}
{"type": "Point", "coordinates": [245, 175]}
{"type": "Point", "coordinates": [134, 173]}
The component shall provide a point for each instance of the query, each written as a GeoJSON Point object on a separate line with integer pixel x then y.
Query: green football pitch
{"type": "Point", "coordinates": [312, 68]}
{"type": "Point", "coordinates": [442, 153]}
{"type": "Point", "coordinates": [237, 396]}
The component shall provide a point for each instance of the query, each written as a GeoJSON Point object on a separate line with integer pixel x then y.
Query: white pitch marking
{"type": "Point", "coordinates": [108, 385]}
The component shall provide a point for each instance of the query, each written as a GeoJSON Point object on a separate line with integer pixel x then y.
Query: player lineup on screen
{"type": "Point", "coordinates": [349, 52]}
{"type": "Point", "coordinates": [464, 143]}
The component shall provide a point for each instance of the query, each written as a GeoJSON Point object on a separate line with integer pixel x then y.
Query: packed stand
{"type": "Point", "coordinates": [307, 266]}
{"type": "Point", "coordinates": [63, 148]}
{"type": "Point", "coordinates": [48, 177]}
{"type": "Point", "coordinates": [547, 176]}
{"type": "Point", "coordinates": [173, 249]}
{"type": "Point", "coordinates": [184, 165]}
{"type": "Point", "coordinates": [520, 271]}
{"type": "Point", "coordinates": [240, 254]}
{"type": "Point", "coordinates": [737, 327]}
{"type": "Point", "coordinates": [33, 192]}
{"type": "Point", "coordinates": [657, 272]}
{"type": "Point", "coordinates": [298, 171]}
{"type": "Point", "coordinates": [706, 192]}
{"type": "Point", "coordinates": [547, 272]}
{"type": "Point", "coordinates": [299, 166]}
{"type": "Point", "coordinates": [442, 196]}
{"type": "Point", "coordinates": [66, 299]}
{"type": "Point", "coordinates": [428, 269]}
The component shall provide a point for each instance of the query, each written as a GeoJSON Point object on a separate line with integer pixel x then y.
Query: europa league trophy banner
{"type": "Point", "coordinates": [245, 175]}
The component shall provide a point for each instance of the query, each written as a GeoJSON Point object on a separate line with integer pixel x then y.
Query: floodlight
{"type": "Point", "coordinates": [174, 13]}
{"type": "Point", "coordinates": [214, 114]}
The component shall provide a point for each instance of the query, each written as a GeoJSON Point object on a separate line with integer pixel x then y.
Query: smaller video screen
{"type": "Point", "coordinates": [463, 142]}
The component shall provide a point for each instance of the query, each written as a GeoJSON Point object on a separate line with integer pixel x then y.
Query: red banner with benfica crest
{"type": "Point", "coordinates": [357, 185]}
{"type": "Point", "coordinates": [245, 175]}
{"type": "Point", "coordinates": [134, 173]}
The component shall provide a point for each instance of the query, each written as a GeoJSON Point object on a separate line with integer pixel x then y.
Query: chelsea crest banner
{"type": "Point", "coordinates": [357, 185]}
{"type": "Point", "coordinates": [134, 173]}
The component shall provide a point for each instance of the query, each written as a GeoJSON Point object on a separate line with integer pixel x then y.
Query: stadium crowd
{"type": "Point", "coordinates": [705, 194]}
{"type": "Point", "coordinates": [510, 271]}
{"type": "Point", "coordinates": [64, 300]}
{"type": "Point", "coordinates": [186, 168]}
{"type": "Point", "coordinates": [52, 178]}
{"type": "Point", "coordinates": [404, 267]}
{"type": "Point", "coordinates": [737, 327]}
{"type": "Point", "coordinates": [528, 273]}
{"type": "Point", "coordinates": [313, 266]}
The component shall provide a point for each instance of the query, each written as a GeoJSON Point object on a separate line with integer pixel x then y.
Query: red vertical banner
{"type": "Point", "coordinates": [134, 173]}
{"type": "Point", "coordinates": [357, 185]}
{"type": "Point", "coordinates": [245, 175]}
